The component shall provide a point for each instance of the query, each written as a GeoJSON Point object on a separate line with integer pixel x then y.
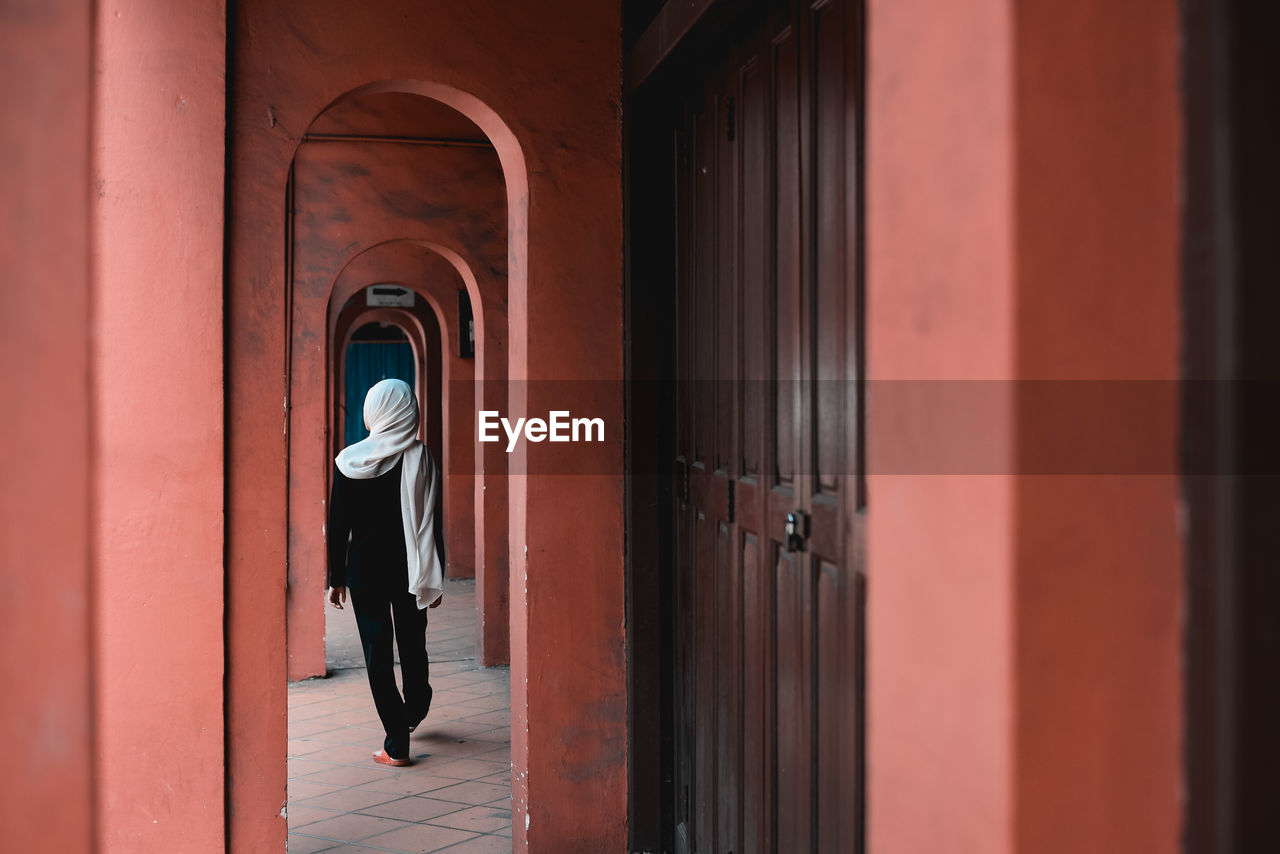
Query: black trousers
{"type": "Point", "coordinates": [374, 618]}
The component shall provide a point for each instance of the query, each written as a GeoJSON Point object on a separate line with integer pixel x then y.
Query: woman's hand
{"type": "Point", "coordinates": [337, 595]}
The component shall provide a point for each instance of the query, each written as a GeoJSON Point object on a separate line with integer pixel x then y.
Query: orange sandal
{"type": "Point", "coordinates": [383, 758]}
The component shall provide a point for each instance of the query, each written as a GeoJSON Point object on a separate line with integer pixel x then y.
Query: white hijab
{"type": "Point", "coordinates": [391, 414]}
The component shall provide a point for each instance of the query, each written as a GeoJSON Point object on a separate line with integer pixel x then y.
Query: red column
{"type": "Point", "coordinates": [159, 125]}
{"type": "Point", "coordinates": [940, 302]}
{"type": "Point", "coordinates": [568, 659]}
{"type": "Point", "coordinates": [1099, 593]}
{"type": "Point", "coordinates": [46, 801]}
{"type": "Point", "coordinates": [492, 490]}
{"type": "Point", "coordinates": [1024, 629]}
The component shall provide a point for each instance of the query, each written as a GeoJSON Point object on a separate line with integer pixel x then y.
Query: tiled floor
{"type": "Point", "coordinates": [456, 797]}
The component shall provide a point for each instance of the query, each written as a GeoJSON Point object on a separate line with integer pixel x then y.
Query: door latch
{"type": "Point", "coordinates": [796, 531]}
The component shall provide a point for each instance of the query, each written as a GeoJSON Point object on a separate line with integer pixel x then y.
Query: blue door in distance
{"type": "Point", "coordinates": [376, 353]}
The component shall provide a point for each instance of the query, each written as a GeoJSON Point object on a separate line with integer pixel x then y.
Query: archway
{"type": "Point", "coordinates": [444, 384]}
{"type": "Point", "coordinates": [436, 272]}
{"type": "Point", "coordinates": [374, 344]}
{"type": "Point", "coordinates": [575, 524]}
{"type": "Point", "coordinates": [413, 211]}
{"type": "Point", "coordinates": [411, 208]}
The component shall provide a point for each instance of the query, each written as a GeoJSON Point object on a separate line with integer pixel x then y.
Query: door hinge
{"type": "Point", "coordinates": [732, 502]}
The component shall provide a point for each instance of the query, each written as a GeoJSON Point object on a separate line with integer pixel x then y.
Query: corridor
{"type": "Point", "coordinates": [456, 797]}
{"type": "Point", "coordinates": [933, 504]}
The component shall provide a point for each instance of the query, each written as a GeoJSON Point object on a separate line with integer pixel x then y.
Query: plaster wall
{"type": "Point", "coordinates": [1024, 619]}
{"type": "Point", "coordinates": [157, 215]}
{"type": "Point", "coordinates": [1099, 586]}
{"type": "Point", "coordinates": [545, 89]}
{"type": "Point", "coordinates": [940, 549]}
{"type": "Point", "coordinates": [45, 494]}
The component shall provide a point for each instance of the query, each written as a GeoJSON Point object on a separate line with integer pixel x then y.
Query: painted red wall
{"type": "Point", "coordinates": [1099, 592]}
{"type": "Point", "coordinates": [46, 803]}
{"type": "Point", "coordinates": [1024, 631]}
{"type": "Point", "coordinates": [158, 435]}
{"type": "Point", "coordinates": [940, 302]}
{"type": "Point", "coordinates": [545, 89]}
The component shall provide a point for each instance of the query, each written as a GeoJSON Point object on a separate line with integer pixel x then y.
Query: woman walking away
{"type": "Point", "coordinates": [383, 547]}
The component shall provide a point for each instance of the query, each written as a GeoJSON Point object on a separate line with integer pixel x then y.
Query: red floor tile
{"type": "Point", "coordinates": [480, 819]}
{"type": "Point", "coordinates": [414, 809]}
{"type": "Point", "coordinates": [419, 837]}
{"type": "Point", "coordinates": [416, 784]}
{"type": "Point", "coordinates": [346, 800]}
{"type": "Point", "coordinates": [352, 827]}
{"type": "Point", "coordinates": [471, 792]}
{"type": "Point", "coordinates": [300, 816]}
{"type": "Point", "coordinates": [299, 844]}
{"type": "Point", "coordinates": [482, 845]}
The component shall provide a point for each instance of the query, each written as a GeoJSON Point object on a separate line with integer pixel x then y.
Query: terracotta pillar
{"type": "Point", "coordinates": [940, 302]}
{"type": "Point", "coordinates": [46, 802]}
{"type": "Point", "coordinates": [568, 677]}
{"type": "Point", "coordinates": [492, 489]}
{"type": "Point", "coordinates": [1100, 578]}
{"type": "Point", "coordinates": [159, 123]}
{"type": "Point", "coordinates": [1024, 641]}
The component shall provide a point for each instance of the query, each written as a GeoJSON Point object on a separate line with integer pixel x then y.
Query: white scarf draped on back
{"type": "Point", "coordinates": [391, 414]}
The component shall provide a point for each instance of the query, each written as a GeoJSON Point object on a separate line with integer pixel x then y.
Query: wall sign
{"type": "Point", "coordinates": [388, 296]}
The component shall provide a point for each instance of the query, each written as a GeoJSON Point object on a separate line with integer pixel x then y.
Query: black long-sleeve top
{"type": "Point", "coordinates": [365, 532]}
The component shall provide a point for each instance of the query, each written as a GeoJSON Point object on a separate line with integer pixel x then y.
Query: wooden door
{"type": "Point", "coordinates": [769, 684]}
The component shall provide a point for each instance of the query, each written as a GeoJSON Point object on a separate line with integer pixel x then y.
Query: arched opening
{"type": "Point", "coordinates": [374, 351]}
{"type": "Point", "coordinates": [396, 189]}
{"type": "Point", "coordinates": [441, 283]}
{"type": "Point", "coordinates": [415, 189]}
{"type": "Point", "coordinates": [369, 344]}
{"type": "Point", "coordinates": [568, 328]}
{"type": "Point", "coordinates": [375, 343]}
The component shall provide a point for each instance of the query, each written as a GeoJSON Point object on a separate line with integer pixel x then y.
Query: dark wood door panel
{"type": "Point", "coordinates": [729, 701]}
{"type": "Point", "coordinates": [786, 412]}
{"type": "Point", "coordinates": [724, 328]}
{"type": "Point", "coordinates": [704, 772]}
{"type": "Point", "coordinates": [757, 687]}
{"type": "Point", "coordinates": [832, 670]}
{"type": "Point", "coordinates": [770, 706]}
{"type": "Point", "coordinates": [703, 283]}
{"type": "Point", "coordinates": [829, 292]}
{"type": "Point", "coordinates": [755, 224]}
{"type": "Point", "coordinates": [793, 657]}
{"type": "Point", "coordinates": [685, 650]}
